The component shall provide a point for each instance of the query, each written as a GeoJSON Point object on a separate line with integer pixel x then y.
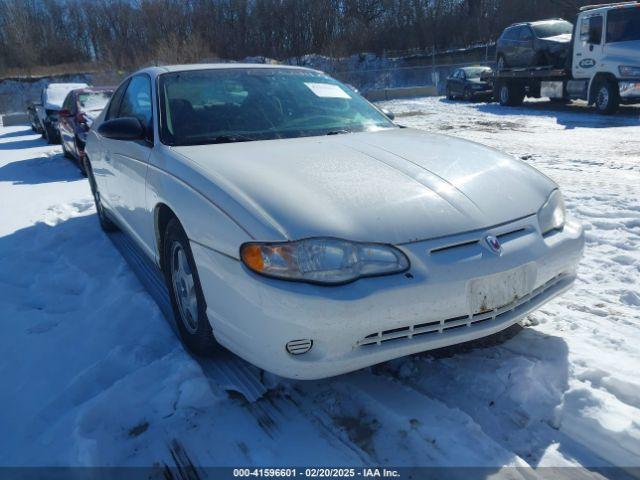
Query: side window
{"type": "Point", "coordinates": [462, 75]}
{"type": "Point", "coordinates": [591, 30]}
{"type": "Point", "coordinates": [526, 34]}
{"type": "Point", "coordinates": [68, 103]}
{"type": "Point", "coordinates": [115, 101]}
{"type": "Point", "coordinates": [137, 100]}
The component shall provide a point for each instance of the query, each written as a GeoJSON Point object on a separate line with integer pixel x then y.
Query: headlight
{"type": "Point", "coordinates": [628, 71]}
{"type": "Point", "coordinates": [328, 261]}
{"type": "Point", "coordinates": [552, 214]}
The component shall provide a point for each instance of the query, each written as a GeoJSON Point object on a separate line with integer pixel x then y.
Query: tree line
{"type": "Point", "coordinates": [125, 34]}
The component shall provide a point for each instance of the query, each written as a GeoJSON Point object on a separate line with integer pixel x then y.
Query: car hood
{"type": "Point", "coordinates": [393, 186]}
{"type": "Point", "coordinates": [563, 38]}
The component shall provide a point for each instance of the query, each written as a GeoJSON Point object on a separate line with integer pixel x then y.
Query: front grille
{"type": "Point", "coordinates": [443, 327]}
{"type": "Point", "coordinates": [503, 237]}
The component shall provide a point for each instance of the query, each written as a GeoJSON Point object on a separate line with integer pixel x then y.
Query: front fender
{"type": "Point", "coordinates": [202, 219]}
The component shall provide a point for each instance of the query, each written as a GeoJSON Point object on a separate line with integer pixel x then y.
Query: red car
{"type": "Point", "coordinates": [80, 108]}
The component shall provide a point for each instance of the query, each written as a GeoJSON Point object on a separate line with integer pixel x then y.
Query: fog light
{"type": "Point", "coordinates": [299, 347]}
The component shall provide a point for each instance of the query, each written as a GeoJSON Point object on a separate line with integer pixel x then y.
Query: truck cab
{"type": "Point", "coordinates": [606, 56]}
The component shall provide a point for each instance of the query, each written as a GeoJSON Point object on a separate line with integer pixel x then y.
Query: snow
{"type": "Point", "coordinates": [56, 93]}
{"type": "Point", "coordinates": [92, 374]}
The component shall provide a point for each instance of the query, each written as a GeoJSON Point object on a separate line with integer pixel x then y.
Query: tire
{"type": "Point", "coordinates": [449, 94]}
{"type": "Point", "coordinates": [66, 152]}
{"type": "Point", "coordinates": [50, 135]}
{"type": "Point", "coordinates": [468, 95]}
{"type": "Point", "coordinates": [509, 95]}
{"type": "Point", "coordinates": [185, 291]}
{"type": "Point", "coordinates": [80, 159]}
{"type": "Point", "coordinates": [501, 62]}
{"type": "Point", "coordinates": [105, 222]}
{"type": "Point", "coordinates": [607, 97]}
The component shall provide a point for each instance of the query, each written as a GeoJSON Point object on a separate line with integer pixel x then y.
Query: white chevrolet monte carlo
{"type": "Point", "coordinates": [299, 227]}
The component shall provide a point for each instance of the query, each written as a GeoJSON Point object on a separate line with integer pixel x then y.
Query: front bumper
{"type": "Point", "coordinates": [378, 319]}
{"type": "Point", "coordinates": [629, 90]}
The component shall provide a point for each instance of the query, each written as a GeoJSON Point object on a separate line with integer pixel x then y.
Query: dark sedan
{"type": "Point", "coordinates": [469, 83]}
{"type": "Point", "coordinates": [80, 108]}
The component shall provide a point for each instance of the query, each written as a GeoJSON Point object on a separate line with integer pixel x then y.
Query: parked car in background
{"type": "Point", "coordinates": [52, 98]}
{"type": "Point", "coordinates": [296, 225]}
{"type": "Point", "coordinates": [80, 108]}
{"type": "Point", "coordinates": [469, 83]}
{"type": "Point", "coordinates": [534, 44]}
{"type": "Point", "coordinates": [32, 113]}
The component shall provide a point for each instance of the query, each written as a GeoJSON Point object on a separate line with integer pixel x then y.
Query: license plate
{"type": "Point", "coordinates": [502, 289]}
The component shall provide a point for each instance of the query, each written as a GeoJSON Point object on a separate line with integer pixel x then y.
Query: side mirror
{"type": "Point", "coordinates": [389, 114]}
{"type": "Point", "coordinates": [64, 113]}
{"type": "Point", "coordinates": [126, 128]}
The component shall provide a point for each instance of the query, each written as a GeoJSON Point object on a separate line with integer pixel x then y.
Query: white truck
{"type": "Point", "coordinates": [604, 62]}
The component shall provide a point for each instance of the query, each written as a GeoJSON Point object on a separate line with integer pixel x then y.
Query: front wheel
{"type": "Point", "coordinates": [510, 95]}
{"type": "Point", "coordinates": [185, 291]}
{"type": "Point", "coordinates": [449, 94]}
{"type": "Point", "coordinates": [49, 134]}
{"type": "Point", "coordinates": [468, 95]}
{"type": "Point", "coordinates": [607, 97]}
{"type": "Point", "coordinates": [66, 152]}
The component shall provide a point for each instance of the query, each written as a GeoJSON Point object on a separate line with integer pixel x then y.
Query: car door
{"type": "Point", "coordinates": [454, 81]}
{"type": "Point", "coordinates": [65, 123]}
{"type": "Point", "coordinates": [127, 162]}
{"type": "Point", "coordinates": [462, 78]}
{"type": "Point", "coordinates": [510, 46]}
{"type": "Point", "coordinates": [526, 53]}
{"type": "Point", "coordinates": [588, 48]}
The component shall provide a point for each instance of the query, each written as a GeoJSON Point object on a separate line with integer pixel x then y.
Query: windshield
{"type": "Point", "coordinates": [93, 100]}
{"type": "Point", "coordinates": [475, 72]}
{"type": "Point", "coordinates": [55, 93]}
{"type": "Point", "coordinates": [552, 29]}
{"type": "Point", "coordinates": [217, 105]}
{"type": "Point", "coordinates": [623, 25]}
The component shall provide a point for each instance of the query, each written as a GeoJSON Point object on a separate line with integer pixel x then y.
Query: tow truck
{"type": "Point", "coordinates": [603, 67]}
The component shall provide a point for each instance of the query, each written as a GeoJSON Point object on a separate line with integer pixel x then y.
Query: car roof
{"type": "Point", "coordinates": [159, 70]}
{"type": "Point", "coordinates": [538, 22]}
{"type": "Point", "coordinates": [65, 86]}
{"type": "Point", "coordinates": [93, 90]}
{"type": "Point", "coordinates": [475, 67]}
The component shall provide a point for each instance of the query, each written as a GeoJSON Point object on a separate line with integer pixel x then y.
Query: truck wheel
{"type": "Point", "coordinates": [187, 299]}
{"type": "Point", "coordinates": [607, 97]}
{"type": "Point", "coordinates": [510, 95]}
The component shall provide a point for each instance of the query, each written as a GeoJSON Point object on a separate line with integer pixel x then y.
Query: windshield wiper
{"type": "Point", "coordinates": [222, 139]}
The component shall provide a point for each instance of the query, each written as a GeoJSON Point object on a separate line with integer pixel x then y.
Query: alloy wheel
{"type": "Point", "coordinates": [603, 98]}
{"type": "Point", "coordinates": [184, 287]}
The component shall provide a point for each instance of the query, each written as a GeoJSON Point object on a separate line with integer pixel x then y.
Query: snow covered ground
{"type": "Point", "coordinates": [92, 374]}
